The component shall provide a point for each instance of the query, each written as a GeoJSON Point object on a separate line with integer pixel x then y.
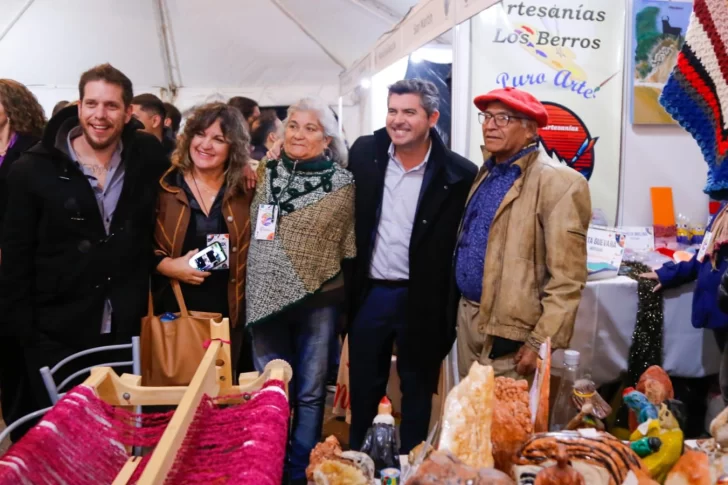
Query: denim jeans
{"type": "Point", "coordinates": [301, 337]}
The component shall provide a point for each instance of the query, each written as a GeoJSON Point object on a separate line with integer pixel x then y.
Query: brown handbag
{"type": "Point", "coordinates": [172, 351]}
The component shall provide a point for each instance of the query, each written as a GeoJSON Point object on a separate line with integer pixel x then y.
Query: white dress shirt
{"type": "Point", "coordinates": [390, 259]}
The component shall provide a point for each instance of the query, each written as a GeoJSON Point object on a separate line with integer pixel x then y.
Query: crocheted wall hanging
{"type": "Point", "coordinates": [696, 93]}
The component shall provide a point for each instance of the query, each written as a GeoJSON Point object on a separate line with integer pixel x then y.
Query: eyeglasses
{"type": "Point", "coordinates": [501, 119]}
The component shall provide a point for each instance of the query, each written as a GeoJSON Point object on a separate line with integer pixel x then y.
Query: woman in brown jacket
{"type": "Point", "coordinates": [202, 200]}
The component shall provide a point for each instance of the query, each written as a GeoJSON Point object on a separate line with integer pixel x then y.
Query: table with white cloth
{"type": "Point", "coordinates": [606, 319]}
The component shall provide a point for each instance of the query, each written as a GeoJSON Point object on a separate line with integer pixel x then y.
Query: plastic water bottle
{"type": "Point", "coordinates": [564, 410]}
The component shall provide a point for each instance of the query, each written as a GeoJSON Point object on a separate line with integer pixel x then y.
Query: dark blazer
{"type": "Point", "coordinates": [446, 185]}
{"type": "Point", "coordinates": [23, 143]}
{"type": "Point", "coordinates": [58, 263]}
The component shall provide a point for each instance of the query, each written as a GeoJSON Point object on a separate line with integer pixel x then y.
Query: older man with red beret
{"type": "Point", "coordinates": [520, 263]}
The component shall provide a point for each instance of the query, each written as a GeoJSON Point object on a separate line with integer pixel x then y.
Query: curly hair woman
{"type": "Point", "coordinates": [21, 126]}
{"type": "Point", "coordinates": [202, 200]}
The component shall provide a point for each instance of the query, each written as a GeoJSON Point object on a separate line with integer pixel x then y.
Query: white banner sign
{"type": "Point", "coordinates": [604, 252]}
{"type": "Point", "coordinates": [570, 56]}
{"type": "Point", "coordinates": [389, 51]}
{"type": "Point", "coordinates": [432, 20]}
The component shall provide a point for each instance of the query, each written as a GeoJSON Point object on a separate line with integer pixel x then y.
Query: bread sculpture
{"type": "Point", "coordinates": [512, 424]}
{"type": "Point", "coordinates": [468, 417]}
{"type": "Point", "coordinates": [329, 465]}
{"type": "Point", "coordinates": [329, 449]}
{"type": "Point", "coordinates": [599, 457]}
{"type": "Point", "coordinates": [561, 473]}
{"type": "Point", "coordinates": [334, 472]}
{"type": "Point", "coordinates": [693, 468]}
{"type": "Point", "coordinates": [442, 468]}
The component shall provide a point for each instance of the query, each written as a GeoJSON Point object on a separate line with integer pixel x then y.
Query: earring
{"type": "Point", "coordinates": [328, 154]}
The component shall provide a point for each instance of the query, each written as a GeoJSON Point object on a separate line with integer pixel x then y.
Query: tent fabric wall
{"type": "Point", "coordinates": [275, 51]}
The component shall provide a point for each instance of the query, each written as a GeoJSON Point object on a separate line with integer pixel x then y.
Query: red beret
{"type": "Point", "coordinates": [518, 100]}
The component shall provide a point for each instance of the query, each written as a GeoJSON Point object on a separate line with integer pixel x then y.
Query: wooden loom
{"type": "Point", "coordinates": [213, 378]}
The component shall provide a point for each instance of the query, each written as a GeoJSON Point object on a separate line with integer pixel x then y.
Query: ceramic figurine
{"type": "Point", "coordinates": [444, 468]}
{"type": "Point", "coordinates": [560, 474]}
{"type": "Point", "coordinates": [637, 402]}
{"type": "Point", "coordinates": [719, 429]}
{"type": "Point", "coordinates": [585, 419]}
{"type": "Point", "coordinates": [381, 442]}
{"type": "Point", "coordinates": [692, 469]}
{"type": "Point", "coordinates": [600, 458]}
{"type": "Point", "coordinates": [697, 233]}
{"type": "Point", "coordinates": [683, 230]}
{"type": "Point", "coordinates": [592, 408]}
{"type": "Point", "coordinates": [667, 427]}
{"type": "Point", "coordinates": [656, 385]}
{"type": "Point", "coordinates": [646, 446]}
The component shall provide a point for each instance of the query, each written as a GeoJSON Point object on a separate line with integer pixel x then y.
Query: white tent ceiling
{"type": "Point", "coordinates": [272, 50]}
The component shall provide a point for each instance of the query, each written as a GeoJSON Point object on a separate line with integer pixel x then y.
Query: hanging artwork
{"type": "Point", "coordinates": [696, 94]}
{"type": "Point", "coordinates": [658, 34]}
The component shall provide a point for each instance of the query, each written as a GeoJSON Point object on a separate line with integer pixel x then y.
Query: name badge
{"type": "Point", "coordinates": [265, 226]}
{"type": "Point", "coordinates": [224, 240]}
{"type": "Point", "coordinates": [707, 239]}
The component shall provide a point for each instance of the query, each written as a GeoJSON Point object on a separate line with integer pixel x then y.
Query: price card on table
{"type": "Point", "coordinates": [638, 239]}
{"type": "Point", "coordinates": [604, 249]}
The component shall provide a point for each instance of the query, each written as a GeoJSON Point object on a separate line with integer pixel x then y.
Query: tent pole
{"type": "Point", "coordinates": [341, 115]}
{"type": "Point", "coordinates": [167, 47]}
{"type": "Point", "coordinates": [16, 18]}
{"type": "Point", "coordinates": [305, 30]}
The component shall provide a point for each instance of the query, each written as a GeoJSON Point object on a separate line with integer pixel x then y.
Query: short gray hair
{"type": "Point", "coordinates": [530, 123]}
{"type": "Point", "coordinates": [325, 115]}
{"type": "Point", "coordinates": [427, 91]}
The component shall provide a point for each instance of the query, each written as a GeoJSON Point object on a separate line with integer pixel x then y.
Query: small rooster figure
{"type": "Point", "coordinates": [381, 442]}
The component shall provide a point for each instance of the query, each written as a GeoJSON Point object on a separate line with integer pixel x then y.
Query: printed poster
{"type": "Point", "coordinates": [604, 252]}
{"type": "Point", "coordinates": [658, 34]}
{"type": "Point", "coordinates": [570, 55]}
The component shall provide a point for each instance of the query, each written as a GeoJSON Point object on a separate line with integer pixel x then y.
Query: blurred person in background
{"type": "Point", "coordinates": [59, 106]}
{"type": "Point", "coordinates": [265, 134]}
{"type": "Point", "coordinates": [21, 126]}
{"type": "Point", "coordinates": [172, 121]}
{"type": "Point", "coordinates": [149, 109]}
{"type": "Point", "coordinates": [248, 108]}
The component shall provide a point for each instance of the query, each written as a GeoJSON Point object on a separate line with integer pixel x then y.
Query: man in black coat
{"type": "Point", "coordinates": [77, 239]}
{"type": "Point", "coordinates": [410, 195]}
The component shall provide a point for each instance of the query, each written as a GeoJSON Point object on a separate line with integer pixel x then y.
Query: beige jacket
{"type": "Point", "coordinates": [535, 264]}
